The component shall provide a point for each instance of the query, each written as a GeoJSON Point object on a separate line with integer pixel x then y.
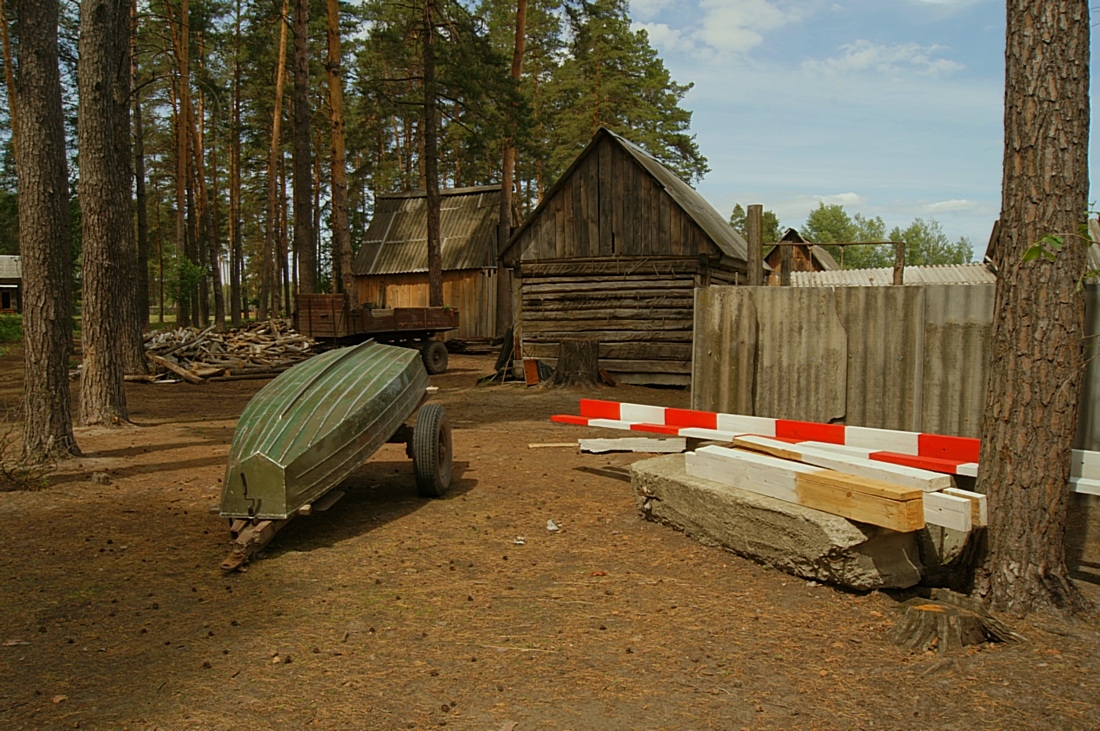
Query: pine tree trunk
{"type": "Point", "coordinates": [9, 78]}
{"type": "Point", "coordinates": [141, 282]}
{"type": "Point", "coordinates": [507, 181]}
{"type": "Point", "coordinates": [269, 284]}
{"type": "Point", "coordinates": [234, 227]}
{"type": "Point", "coordinates": [181, 42]}
{"type": "Point", "coordinates": [130, 318]}
{"type": "Point", "coordinates": [208, 231]}
{"type": "Point", "coordinates": [43, 236]}
{"type": "Point", "coordinates": [431, 160]}
{"type": "Point", "coordinates": [341, 229]}
{"type": "Point", "coordinates": [303, 155]}
{"type": "Point", "coordinates": [1038, 323]}
{"type": "Point", "coordinates": [102, 396]}
{"type": "Point", "coordinates": [233, 163]}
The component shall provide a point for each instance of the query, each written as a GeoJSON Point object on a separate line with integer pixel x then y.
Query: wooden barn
{"type": "Point", "coordinates": [11, 284]}
{"type": "Point", "coordinates": [614, 253]}
{"type": "Point", "coordinates": [391, 268]}
{"type": "Point", "coordinates": [805, 257]}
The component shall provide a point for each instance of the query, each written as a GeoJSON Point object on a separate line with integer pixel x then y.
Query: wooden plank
{"type": "Point", "coordinates": [608, 266]}
{"type": "Point", "coordinates": [664, 218]}
{"type": "Point", "coordinates": [1085, 463]}
{"type": "Point", "coordinates": [673, 445]}
{"type": "Point", "coordinates": [603, 211]}
{"type": "Point", "coordinates": [530, 372]}
{"type": "Point", "coordinates": [923, 480]}
{"type": "Point", "coordinates": [571, 302]}
{"type": "Point", "coordinates": [829, 493]}
{"type": "Point", "coordinates": [616, 212]}
{"type": "Point", "coordinates": [1084, 485]}
{"type": "Point", "coordinates": [588, 325]}
{"type": "Point", "coordinates": [948, 511]}
{"type": "Point", "coordinates": [592, 205]}
{"type": "Point", "coordinates": [979, 506]}
{"type": "Point", "coordinates": [865, 485]}
{"type": "Point", "coordinates": [854, 498]}
{"type": "Point", "coordinates": [175, 368]}
{"type": "Point", "coordinates": [627, 317]}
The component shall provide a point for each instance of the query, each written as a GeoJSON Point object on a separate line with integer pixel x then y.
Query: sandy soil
{"type": "Point", "coordinates": [391, 611]}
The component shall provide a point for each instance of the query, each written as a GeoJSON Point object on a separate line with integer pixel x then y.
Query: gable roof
{"type": "Point", "coordinates": [396, 242]}
{"type": "Point", "coordinates": [823, 258]}
{"type": "Point", "coordinates": [11, 267]}
{"type": "Point", "coordinates": [731, 243]}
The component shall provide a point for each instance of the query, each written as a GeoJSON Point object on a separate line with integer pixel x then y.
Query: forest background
{"type": "Point", "coordinates": [206, 81]}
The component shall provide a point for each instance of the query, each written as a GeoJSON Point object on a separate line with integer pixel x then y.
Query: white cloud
{"type": "Point", "coordinates": [725, 29]}
{"type": "Point", "coordinates": [844, 199]}
{"type": "Point", "coordinates": [739, 27]}
{"type": "Point", "coordinates": [863, 55]}
{"type": "Point", "coordinates": [647, 9]}
{"type": "Point", "coordinates": [669, 40]}
{"type": "Point", "coordinates": [955, 204]}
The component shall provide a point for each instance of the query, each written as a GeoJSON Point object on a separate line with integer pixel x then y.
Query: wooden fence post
{"type": "Point", "coordinates": [753, 226]}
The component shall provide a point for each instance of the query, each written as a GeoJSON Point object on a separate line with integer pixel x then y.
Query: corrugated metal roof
{"type": "Point", "coordinates": [695, 205]}
{"type": "Point", "coordinates": [943, 274]}
{"type": "Point", "coordinates": [11, 267]}
{"type": "Point", "coordinates": [396, 242]}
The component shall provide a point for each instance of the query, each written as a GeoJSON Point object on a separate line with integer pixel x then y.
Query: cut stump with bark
{"type": "Point", "coordinates": [945, 622]}
{"type": "Point", "coordinates": [578, 363]}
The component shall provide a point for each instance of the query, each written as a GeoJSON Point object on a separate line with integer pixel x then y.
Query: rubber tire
{"type": "Point", "coordinates": [431, 451]}
{"type": "Point", "coordinates": [434, 355]}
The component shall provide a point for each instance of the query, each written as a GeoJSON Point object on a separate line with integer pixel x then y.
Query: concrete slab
{"type": "Point", "coordinates": [805, 542]}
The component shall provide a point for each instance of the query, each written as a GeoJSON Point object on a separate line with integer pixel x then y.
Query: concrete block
{"type": "Point", "coordinates": [805, 542]}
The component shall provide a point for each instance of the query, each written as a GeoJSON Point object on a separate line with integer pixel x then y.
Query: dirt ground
{"type": "Point", "coordinates": [391, 611]}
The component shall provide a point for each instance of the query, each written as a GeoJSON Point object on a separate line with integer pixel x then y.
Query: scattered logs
{"type": "Point", "coordinates": [259, 350]}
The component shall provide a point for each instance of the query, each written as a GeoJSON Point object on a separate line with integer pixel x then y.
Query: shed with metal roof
{"type": "Point", "coordinates": [11, 284]}
{"type": "Point", "coordinates": [613, 253]}
{"type": "Point", "coordinates": [391, 267]}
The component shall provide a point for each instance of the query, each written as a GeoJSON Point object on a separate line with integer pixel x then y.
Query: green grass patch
{"type": "Point", "coordinates": [11, 328]}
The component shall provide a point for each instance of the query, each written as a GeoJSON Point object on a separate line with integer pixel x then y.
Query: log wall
{"type": "Point", "coordinates": [640, 310]}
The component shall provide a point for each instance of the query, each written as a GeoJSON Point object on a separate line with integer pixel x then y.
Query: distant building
{"type": "Point", "coordinates": [11, 284]}
{"type": "Point", "coordinates": [614, 253]}
{"type": "Point", "coordinates": [805, 257]}
{"type": "Point", "coordinates": [391, 267]}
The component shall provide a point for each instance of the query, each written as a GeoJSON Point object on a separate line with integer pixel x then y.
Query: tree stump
{"type": "Point", "coordinates": [946, 621]}
{"type": "Point", "coordinates": [578, 363]}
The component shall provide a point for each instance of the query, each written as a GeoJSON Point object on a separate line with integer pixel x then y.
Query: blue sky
{"type": "Point", "coordinates": [892, 108]}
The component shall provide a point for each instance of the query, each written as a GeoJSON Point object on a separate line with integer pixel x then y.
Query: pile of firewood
{"type": "Point", "coordinates": [255, 351]}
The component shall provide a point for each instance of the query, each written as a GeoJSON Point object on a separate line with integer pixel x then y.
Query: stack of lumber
{"type": "Point", "coordinates": [893, 479]}
{"type": "Point", "coordinates": [254, 351]}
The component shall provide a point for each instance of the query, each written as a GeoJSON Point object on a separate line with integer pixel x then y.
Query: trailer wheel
{"type": "Point", "coordinates": [431, 451]}
{"type": "Point", "coordinates": [434, 354]}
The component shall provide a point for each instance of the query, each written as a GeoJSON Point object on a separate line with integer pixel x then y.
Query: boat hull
{"type": "Point", "coordinates": [308, 429]}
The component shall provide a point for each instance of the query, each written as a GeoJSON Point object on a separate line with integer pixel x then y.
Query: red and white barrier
{"type": "Point", "coordinates": [939, 453]}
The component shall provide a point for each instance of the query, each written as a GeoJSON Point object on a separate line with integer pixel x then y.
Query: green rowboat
{"type": "Point", "coordinates": [312, 426]}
